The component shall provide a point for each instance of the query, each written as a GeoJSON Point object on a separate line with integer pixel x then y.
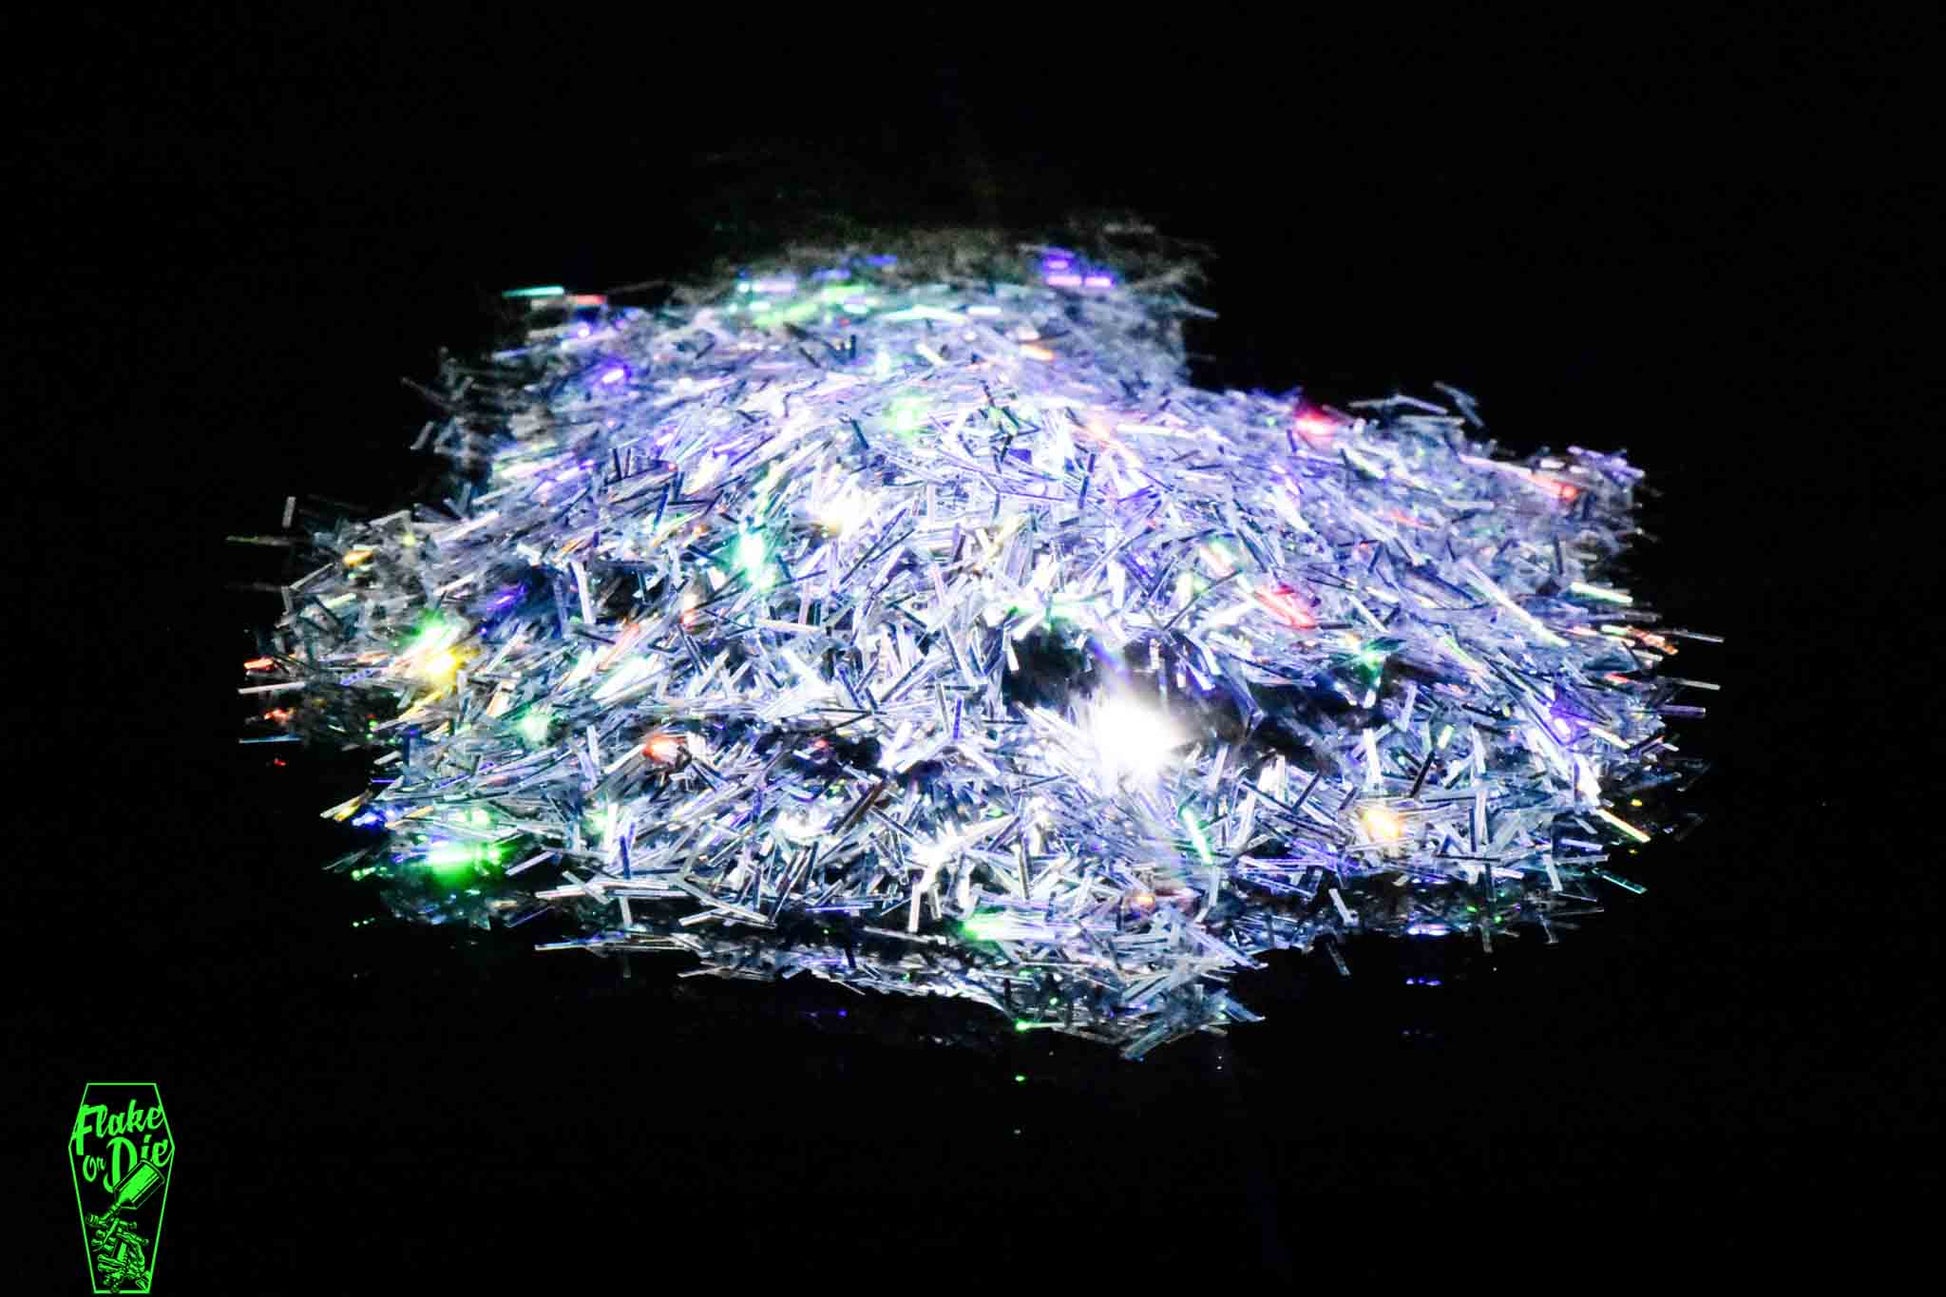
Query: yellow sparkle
{"type": "Point", "coordinates": [439, 668]}
{"type": "Point", "coordinates": [1382, 824]}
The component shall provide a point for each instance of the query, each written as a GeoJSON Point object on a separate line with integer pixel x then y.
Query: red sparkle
{"type": "Point", "coordinates": [1283, 603]}
{"type": "Point", "coordinates": [1318, 430]}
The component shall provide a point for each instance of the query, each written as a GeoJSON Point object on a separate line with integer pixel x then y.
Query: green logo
{"type": "Point", "coordinates": [122, 1153]}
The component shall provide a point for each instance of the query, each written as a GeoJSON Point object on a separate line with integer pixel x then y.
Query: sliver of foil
{"type": "Point", "coordinates": [913, 623]}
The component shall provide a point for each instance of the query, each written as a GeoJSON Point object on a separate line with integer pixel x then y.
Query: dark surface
{"type": "Point", "coordinates": [1701, 245]}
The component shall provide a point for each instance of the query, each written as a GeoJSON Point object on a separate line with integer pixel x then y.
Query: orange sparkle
{"type": "Point", "coordinates": [663, 749]}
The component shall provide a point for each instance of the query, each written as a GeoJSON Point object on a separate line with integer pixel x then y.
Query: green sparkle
{"type": "Point", "coordinates": [451, 860]}
{"type": "Point", "coordinates": [795, 313]}
{"type": "Point", "coordinates": [1621, 882]}
{"type": "Point", "coordinates": [1602, 593]}
{"type": "Point", "coordinates": [982, 927]}
{"type": "Point", "coordinates": [1196, 836]}
{"type": "Point", "coordinates": [906, 415]}
{"type": "Point", "coordinates": [434, 632]}
{"type": "Point", "coordinates": [753, 556]}
{"type": "Point", "coordinates": [534, 724]}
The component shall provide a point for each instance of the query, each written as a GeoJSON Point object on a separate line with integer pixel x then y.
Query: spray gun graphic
{"type": "Point", "coordinates": [136, 1186]}
{"type": "Point", "coordinates": [121, 1258]}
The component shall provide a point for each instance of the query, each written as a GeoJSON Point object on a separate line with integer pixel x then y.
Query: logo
{"type": "Point", "coordinates": [122, 1153]}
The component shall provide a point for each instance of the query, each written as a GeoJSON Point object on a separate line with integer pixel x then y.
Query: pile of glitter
{"type": "Point", "coordinates": [926, 631]}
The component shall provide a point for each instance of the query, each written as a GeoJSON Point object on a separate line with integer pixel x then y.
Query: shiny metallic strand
{"type": "Point", "coordinates": [916, 625]}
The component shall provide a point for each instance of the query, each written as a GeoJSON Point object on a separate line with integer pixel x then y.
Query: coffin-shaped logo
{"type": "Point", "coordinates": [122, 1153]}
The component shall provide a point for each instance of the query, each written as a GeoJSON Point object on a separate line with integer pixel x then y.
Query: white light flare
{"type": "Point", "coordinates": [1133, 738]}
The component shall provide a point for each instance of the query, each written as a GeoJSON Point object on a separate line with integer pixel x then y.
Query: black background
{"type": "Point", "coordinates": [1702, 242]}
